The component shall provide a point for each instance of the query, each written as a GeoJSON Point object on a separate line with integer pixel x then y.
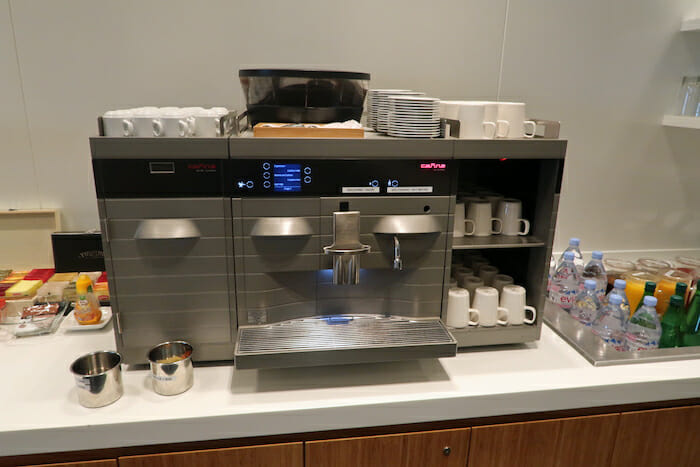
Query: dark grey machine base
{"type": "Point", "coordinates": [367, 338]}
{"type": "Point", "coordinates": [597, 352]}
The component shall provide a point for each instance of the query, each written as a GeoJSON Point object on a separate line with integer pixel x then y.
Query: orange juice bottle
{"type": "Point", "coordinates": [636, 282]}
{"type": "Point", "coordinates": [87, 308]}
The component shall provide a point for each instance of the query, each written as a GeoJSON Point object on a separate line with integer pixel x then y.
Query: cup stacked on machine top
{"type": "Point", "coordinates": [379, 106]}
{"type": "Point", "coordinates": [413, 117]}
{"type": "Point", "coordinates": [164, 121]}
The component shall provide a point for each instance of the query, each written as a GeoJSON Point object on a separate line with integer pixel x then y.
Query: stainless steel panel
{"type": "Point", "coordinates": [369, 223]}
{"type": "Point", "coordinates": [203, 333]}
{"type": "Point", "coordinates": [169, 266]}
{"type": "Point", "coordinates": [479, 336]}
{"type": "Point", "coordinates": [173, 302]}
{"type": "Point", "coordinates": [250, 224]}
{"type": "Point", "coordinates": [176, 319]}
{"type": "Point", "coordinates": [387, 205]}
{"type": "Point", "coordinates": [159, 148]}
{"type": "Point", "coordinates": [164, 285]}
{"type": "Point", "coordinates": [129, 249]}
{"type": "Point", "coordinates": [159, 208]}
{"type": "Point", "coordinates": [597, 352]}
{"type": "Point", "coordinates": [125, 229]}
{"type": "Point", "coordinates": [314, 341]}
{"type": "Point", "coordinates": [282, 207]}
{"type": "Point", "coordinates": [286, 246]}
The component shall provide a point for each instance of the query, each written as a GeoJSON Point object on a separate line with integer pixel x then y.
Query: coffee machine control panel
{"type": "Point", "coordinates": [274, 177]}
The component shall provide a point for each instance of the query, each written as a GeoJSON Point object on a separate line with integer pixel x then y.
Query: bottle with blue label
{"type": "Point", "coordinates": [565, 282]}
{"type": "Point", "coordinates": [609, 325]}
{"type": "Point", "coordinates": [619, 287]}
{"type": "Point", "coordinates": [574, 244]}
{"type": "Point", "coordinates": [643, 329]}
{"type": "Point", "coordinates": [596, 271]}
{"type": "Point", "coordinates": [586, 304]}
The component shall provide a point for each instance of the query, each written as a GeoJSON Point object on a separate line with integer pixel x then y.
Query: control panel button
{"type": "Point", "coordinates": [266, 166]}
{"type": "Point", "coordinates": [307, 170]}
{"type": "Point", "coordinates": [307, 179]}
{"type": "Point", "coordinates": [374, 183]}
{"type": "Point", "coordinates": [249, 184]}
{"type": "Point", "coordinates": [266, 175]}
{"type": "Point", "coordinates": [267, 184]}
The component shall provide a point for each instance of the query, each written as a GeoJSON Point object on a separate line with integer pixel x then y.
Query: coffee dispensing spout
{"type": "Point", "coordinates": [346, 248]}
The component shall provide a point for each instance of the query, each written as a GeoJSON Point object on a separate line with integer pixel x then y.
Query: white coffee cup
{"type": "Point", "coordinates": [479, 215]}
{"type": "Point", "coordinates": [207, 122]}
{"type": "Point", "coordinates": [144, 119]}
{"type": "Point", "coordinates": [472, 121]}
{"type": "Point", "coordinates": [173, 123]}
{"type": "Point", "coordinates": [461, 223]}
{"type": "Point", "coordinates": [471, 283]}
{"type": "Point", "coordinates": [509, 211]}
{"type": "Point", "coordinates": [493, 198]}
{"type": "Point", "coordinates": [487, 273]}
{"type": "Point", "coordinates": [514, 114]}
{"type": "Point", "coordinates": [459, 314]}
{"type": "Point", "coordinates": [117, 123]}
{"type": "Point", "coordinates": [513, 300]}
{"type": "Point", "coordinates": [500, 281]}
{"type": "Point", "coordinates": [486, 302]}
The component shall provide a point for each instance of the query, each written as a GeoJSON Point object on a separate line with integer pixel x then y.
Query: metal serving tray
{"type": "Point", "coordinates": [597, 352]}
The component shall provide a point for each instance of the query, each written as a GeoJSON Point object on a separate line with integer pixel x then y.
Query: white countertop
{"type": "Point", "coordinates": [40, 410]}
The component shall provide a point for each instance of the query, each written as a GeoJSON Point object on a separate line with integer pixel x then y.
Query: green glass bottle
{"type": "Point", "coordinates": [681, 290]}
{"type": "Point", "coordinates": [671, 323]}
{"type": "Point", "coordinates": [649, 289]}
{"type": "Point", "coordinates": [691, 335]}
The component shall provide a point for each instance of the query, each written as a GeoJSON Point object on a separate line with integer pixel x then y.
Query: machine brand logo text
{"type": "Point", "coordinates": [433, 165]}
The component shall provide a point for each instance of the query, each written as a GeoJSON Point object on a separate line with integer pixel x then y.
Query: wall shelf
{"type": "Point", "coordinates": [691, 24]}
{"type": "Point", "coordinates": [495, 241]}
{"type": "Point", "coordinates": [680, 121]}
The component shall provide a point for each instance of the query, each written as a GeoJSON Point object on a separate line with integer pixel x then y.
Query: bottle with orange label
{"type": "Point", "coordinates": [87, 308]}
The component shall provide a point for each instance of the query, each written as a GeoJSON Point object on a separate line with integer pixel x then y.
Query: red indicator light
{"type": "Point", "coordinates": [503, 159]}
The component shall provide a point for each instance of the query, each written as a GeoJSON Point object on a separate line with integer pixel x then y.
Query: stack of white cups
{"type": "Point", "coordinates": [174, 122]}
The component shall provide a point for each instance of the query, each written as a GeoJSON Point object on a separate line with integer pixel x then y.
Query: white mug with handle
{"type": "Point", "coordinates": [118, 123]}
{"type": "Point", "coordinates": [479, 216]}
{"type": "Point", "coordinates": [514, 114]}
{"type": "Point", "coordinates": [459, 314]}
{"type": "Point", "coordinates": [174, 123]}
{"type": "Point", "coordinates": [509, 211]}
{"type": "Point", "coordinates": [473, 123]}
{"type": "Point", "coordinates": [513, 300]}
{"type": "Point", "coordinates": [486, 302]}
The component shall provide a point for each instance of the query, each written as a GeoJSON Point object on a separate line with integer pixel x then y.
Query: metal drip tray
{"type": "Point", "coordinates": [342, 339]}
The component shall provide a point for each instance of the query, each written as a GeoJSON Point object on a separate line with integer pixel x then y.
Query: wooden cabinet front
{"type": "Point", "coordinates": [580, 441]}
{"type": "Point", "coordinates": [659, 437]}
{"type": "Point", "coordinates": [102, 463]}
{"type": "Point", "coordinates": [444, 448]}
{"type": "Point", "coordinates": [273, 455]}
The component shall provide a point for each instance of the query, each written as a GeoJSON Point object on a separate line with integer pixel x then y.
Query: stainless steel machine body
{"type": "Point", "coordinates": [245, 268]}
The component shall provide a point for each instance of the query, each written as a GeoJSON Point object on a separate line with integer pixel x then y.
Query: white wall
{"type": "Point", "coordinates": [607, 70]}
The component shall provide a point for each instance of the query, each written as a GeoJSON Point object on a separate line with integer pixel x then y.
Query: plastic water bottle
{"type": "Point", "coordinates": [565, 282]}
{"type": "Point", "coordinates": [596, 271]}
{"type": "Point", "coordinates": [586, 304]}
{"type": "Point", "coordinates": [643, 329]}
{"type": "Point", "coordinates": [574, 244]}
{"type": "Point", "coordinates": [609, 325]}
{"type": "Point", "coordinates": [619, 287]}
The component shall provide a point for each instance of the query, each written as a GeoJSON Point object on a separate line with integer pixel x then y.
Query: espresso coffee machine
{"type": "Point", "coordinates": [340, 260]}
{"type": "Point", "coordinates": [299, 252]}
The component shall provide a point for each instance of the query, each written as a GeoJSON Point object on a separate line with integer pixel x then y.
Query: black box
{"type": "Point", "coordinates": [77, 251]}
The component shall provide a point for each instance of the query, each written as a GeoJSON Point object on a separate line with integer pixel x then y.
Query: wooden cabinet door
{"type": "Point", "coordinates": [100, 463]}
{"type": "Point", "coordinates": [444, 448]}
{"type": "Point", "coordinates": [580, 441]}
{"type": "Point", "coordinates": [659, 438]}
{"type": "Point", "coordinates": [273, 455]}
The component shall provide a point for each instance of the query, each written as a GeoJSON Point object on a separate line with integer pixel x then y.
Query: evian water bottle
{"type": "Point", "coordinates": [565, 282]}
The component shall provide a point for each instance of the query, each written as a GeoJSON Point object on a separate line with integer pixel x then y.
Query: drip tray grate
{"type": "Point", "coordinates": [342, 339]}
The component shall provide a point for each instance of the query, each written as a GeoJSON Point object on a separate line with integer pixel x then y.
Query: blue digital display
{"type": "Point", "coordinates": [287, 177]}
